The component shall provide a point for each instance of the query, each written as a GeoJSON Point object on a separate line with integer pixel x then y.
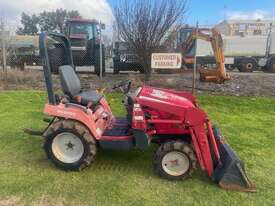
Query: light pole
{"type": "Point", "coordinates": [3, 41]}
{"type": "Point", "coordinates": [195, 62]}
{"type": "Point", "coordinates": [100, 50]}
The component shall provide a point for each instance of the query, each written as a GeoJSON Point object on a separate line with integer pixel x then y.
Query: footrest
{"type": "Point", "coordinates": [118, 131]}
{"type": "Point", "coordinates": [121, 121]}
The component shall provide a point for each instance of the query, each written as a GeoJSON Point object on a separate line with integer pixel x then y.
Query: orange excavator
{"type": "Point", "coordinates": [216, 75]}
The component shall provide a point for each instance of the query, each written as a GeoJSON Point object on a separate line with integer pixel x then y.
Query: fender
{"type": "Point", "coordinates": [84, 115]}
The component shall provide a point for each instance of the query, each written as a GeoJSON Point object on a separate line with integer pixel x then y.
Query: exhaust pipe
{"type": "Point", "coordinates": [230, 172]}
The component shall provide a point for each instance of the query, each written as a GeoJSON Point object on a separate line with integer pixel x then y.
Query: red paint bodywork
{"type": "Point", "coordinates": [156, 112]}
{"type": "Point", "coordinates": [96, 121]}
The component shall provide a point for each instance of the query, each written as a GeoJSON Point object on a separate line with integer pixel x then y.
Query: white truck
{"type": "Point", "coordinates": [247, 53]}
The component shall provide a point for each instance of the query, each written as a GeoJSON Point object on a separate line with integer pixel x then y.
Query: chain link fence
{"type": "Point", "coordinates": [93, 55]}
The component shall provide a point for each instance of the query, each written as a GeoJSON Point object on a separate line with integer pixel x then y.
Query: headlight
{"type": "Point", "coordinates": [123, 58]}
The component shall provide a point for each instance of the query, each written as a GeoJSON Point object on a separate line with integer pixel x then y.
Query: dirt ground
{"type": "Point", "coordinates": [241, 84]}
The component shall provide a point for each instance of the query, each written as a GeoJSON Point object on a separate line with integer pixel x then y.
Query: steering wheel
{"type": "Point", "coordinates": [124, 85]}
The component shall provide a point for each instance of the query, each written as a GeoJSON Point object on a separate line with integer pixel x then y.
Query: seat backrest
{"type": "Point", "coordinates": [69, 81]}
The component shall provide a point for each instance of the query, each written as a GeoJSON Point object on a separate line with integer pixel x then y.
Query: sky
{"type": "Point", "coordinates": [210, 12]}
{"type": "Point", "coordinates": [205, 12]}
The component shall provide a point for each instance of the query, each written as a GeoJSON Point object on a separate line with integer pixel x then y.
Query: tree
{"type": "Point", "coordinates": [55, 20]}
{"type": "Point", "coordinates": [29, 23]}
{"type": "Point", "coordinates": [45, 21]}
{"type": "Point", "coordinates": [145, 24]}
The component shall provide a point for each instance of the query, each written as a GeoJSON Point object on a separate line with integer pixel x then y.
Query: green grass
{"type": "Point", "coordinates": [126, 178]}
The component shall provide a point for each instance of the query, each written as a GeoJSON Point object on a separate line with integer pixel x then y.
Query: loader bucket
{"type": "Point", "coordinates": [230, 173]}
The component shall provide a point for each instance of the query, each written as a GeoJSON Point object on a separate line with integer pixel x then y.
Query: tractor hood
{"type": "Point", "coordinates": [169, 97]}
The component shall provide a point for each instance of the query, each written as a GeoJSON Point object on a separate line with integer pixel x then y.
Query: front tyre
{"type": "Point", "coordinates": [70, 146]}
{"type": "Point", "coordinates": [174, 160]}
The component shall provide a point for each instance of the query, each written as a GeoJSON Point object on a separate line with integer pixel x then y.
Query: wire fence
{"type": "Point", "coordinates": [242, 53]}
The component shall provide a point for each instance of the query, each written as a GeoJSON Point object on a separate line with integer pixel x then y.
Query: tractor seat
{"type": "Point", "coordinates": [89, 96]}
{"type": "Point", "coordinates": [71, 87]}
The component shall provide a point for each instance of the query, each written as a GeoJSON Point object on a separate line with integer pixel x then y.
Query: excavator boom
{"type": "Point", "coordinates": [217, 75]}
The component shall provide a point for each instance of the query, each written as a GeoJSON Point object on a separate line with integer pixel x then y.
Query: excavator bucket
{"type": "Point", "coordinates": [230, 172]}
{"type": "Point", "coordinates": [213, 75]}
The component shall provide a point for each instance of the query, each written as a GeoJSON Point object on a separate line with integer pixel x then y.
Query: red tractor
{"type": "Point", "coordinates": [82, 122]}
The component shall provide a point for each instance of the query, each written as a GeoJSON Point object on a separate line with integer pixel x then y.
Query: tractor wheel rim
{"type": "Point", "coordinates": [67, 148]}
{"type": "Point", "coordinates": [175, 163]}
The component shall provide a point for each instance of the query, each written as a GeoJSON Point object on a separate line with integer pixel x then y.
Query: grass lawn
{"type": "Point", "coordinates": [126, 178]}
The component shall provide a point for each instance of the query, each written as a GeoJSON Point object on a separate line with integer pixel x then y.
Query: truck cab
{"type": "Point", "coordinates": [124, 58]}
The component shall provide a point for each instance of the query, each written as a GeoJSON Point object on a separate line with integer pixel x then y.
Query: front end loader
{"type": "Point", "coordinates": [82, 122]}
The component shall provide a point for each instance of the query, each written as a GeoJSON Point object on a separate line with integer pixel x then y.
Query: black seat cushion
{"type": "Point", "coordinates": [89, 96]}
{"type": "Point", "coordinates": [69, 81]}
{"type": "Point", "coordinates": [71, 87]}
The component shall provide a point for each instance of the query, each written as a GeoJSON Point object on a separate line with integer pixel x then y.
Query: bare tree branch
{"type": "Point", "coordinates": [145, 24]}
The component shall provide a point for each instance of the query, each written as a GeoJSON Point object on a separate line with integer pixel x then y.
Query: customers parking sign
{"type": "Point", "coordinates": [166, 61]}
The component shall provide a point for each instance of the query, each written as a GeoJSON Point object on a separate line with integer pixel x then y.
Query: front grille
{"type": "Point", "coordinates": [129, 58]}
{"type": "Point", "coordinates": [78, 42]}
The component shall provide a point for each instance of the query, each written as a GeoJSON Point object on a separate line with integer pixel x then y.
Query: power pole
{"type": "Point", "coordinates": [100, 49]}
{"type": "Point", "coordinates": [195, 62]}
{"type": "Point", "coordinates": [3, 46]}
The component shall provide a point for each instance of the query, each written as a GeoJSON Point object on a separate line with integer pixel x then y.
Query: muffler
{"type": "Point", "coordinates": [230, 172]}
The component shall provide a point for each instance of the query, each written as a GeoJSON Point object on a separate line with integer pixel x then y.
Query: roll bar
{"type": "Point", "coordinates": [44, 54]}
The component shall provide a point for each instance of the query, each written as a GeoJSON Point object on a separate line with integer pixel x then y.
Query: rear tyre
{"type": "Point", "coordinates": [248, 65]}
{"type": "Point", "coordinates": [70, 146]}
{"type": "Point", "coordinates": [174, 160]}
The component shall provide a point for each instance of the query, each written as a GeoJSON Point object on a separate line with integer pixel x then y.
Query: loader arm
{"type": "Point", "coordinates": [214, 155]}
{"type": "Point", "coordinates": [219, 74]}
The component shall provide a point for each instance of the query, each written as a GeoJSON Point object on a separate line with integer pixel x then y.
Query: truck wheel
{"type": "Point", "coordinates": [116, 68]}
{"type": "Point", "coordinates": [272, 66]}
{"type": "Point", "coordinates": [142, 71]}
{"type": "Point", "coordinates": [248, 65]}
{"type": "Point", "coordinates": [174, 160]}
{"type": "Point", "coordinates": [22, 66]}
{"type": "Point", "coordinates": [97, 60]}
{"type": "Point", "coordinates": [70, 146]}
{"type": "Point", "coordinates": [229, 67]}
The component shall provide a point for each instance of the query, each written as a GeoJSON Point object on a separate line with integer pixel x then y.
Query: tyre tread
{"type": "Point", "coordinates": [79, 129]}
{"type": "Point", "coordinates": [176, 146]}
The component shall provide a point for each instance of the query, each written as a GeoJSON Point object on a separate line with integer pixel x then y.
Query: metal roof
{"type": "Point", "coordinates": [18, 41]}
{"type": "Point", "coordinates": [248, 21]}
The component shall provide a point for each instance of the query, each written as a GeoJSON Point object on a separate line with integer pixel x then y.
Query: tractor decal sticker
{"type": "Point", "coordinates": [159, 94]}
